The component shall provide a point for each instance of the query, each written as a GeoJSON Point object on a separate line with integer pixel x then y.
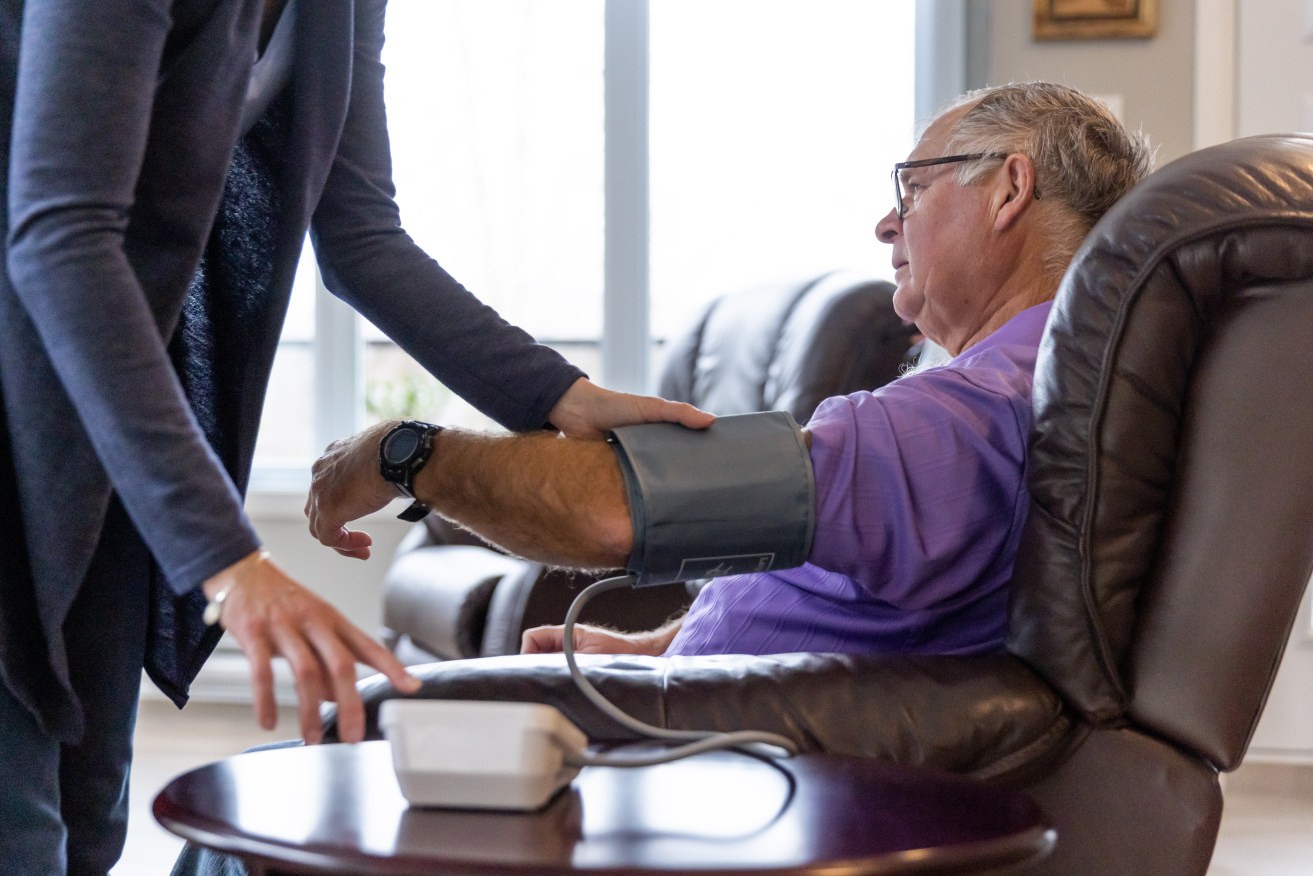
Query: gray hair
{"type": "Point", "coordinates": [1084, 159]}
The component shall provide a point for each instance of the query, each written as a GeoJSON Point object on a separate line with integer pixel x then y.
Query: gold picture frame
{"type": "Point", "coordinates": [1095, 19]}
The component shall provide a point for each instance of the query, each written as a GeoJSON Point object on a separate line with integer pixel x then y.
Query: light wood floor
{"type": "Point", "coordinates": [1267, 828]}
{"type": "Point", "coordinates": [170, 742]}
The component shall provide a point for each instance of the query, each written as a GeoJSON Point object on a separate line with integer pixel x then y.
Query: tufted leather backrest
{"type": "Point", "coordinates": [788, 346]}
{"type": "Point", "coordinates": [1171, 527]}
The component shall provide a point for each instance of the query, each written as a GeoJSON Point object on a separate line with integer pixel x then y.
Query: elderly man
{"type": "Point", "coordinates": [920, 485]}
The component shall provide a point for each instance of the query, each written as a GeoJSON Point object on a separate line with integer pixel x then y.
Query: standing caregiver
{"type": "Point", "coordinates": [163, 160]}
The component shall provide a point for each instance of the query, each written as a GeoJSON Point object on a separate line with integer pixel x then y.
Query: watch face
{"type": "Point", "coordinates": [400, 445]}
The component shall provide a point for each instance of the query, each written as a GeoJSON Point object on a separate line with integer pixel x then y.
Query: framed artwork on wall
{"type": "Point", "coordinates": [1095, 19]}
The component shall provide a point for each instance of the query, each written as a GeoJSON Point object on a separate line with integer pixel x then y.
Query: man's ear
{"type": "Point", "coordinates": [1016, 190]}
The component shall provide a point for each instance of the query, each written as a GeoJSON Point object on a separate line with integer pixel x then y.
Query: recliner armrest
{"type": "Point", "coordinates": [990, 717]}
{"type": "Point", "coordinates": [439, 596]}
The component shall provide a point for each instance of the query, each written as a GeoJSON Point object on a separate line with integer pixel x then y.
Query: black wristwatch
{"type": "Point", "coordinates": [401, 454]}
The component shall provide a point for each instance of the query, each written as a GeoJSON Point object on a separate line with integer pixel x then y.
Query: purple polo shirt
{"type": "Point", "coordinates": [921, 497]}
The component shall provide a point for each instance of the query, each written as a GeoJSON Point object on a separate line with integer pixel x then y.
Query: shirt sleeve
{"type": "Point", "coordinates": [369, 261]}
{"type": "Point", "coordinates": [80, 139]}
{"type": "Point", "coordinates": [918, 483]}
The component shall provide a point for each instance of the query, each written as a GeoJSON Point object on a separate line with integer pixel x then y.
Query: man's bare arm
{"type": "Point", "coordinates": [552, 499]}
{"type": "Point", "coordinates": [556, 500]}
{"type": "Point", "coordinates": [590, 639]}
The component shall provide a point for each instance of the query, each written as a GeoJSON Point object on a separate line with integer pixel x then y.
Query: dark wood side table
{"type": "Point", "coordinates": [337, 809]}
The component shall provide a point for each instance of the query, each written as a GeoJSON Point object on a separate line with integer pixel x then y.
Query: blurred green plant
{"type": "Point", "coordinates": [409, 397]}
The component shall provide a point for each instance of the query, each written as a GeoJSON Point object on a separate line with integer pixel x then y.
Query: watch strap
{"type": "Point", "coordinates": [415, 512]}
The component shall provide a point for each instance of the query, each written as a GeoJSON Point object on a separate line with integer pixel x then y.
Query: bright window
{"type": "Point", "coordinates": [774, 124]}
{"type": "Point", "coordinates": [495, 113]}
{"type": "Point", "coordinates": [771, 127]}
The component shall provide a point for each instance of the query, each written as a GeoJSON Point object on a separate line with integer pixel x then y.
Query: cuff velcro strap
{"type": "Point", "coordinates": [736, 497]}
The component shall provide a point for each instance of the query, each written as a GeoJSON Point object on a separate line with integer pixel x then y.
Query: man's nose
{"type": "Point", "coordinates": [888, 228]}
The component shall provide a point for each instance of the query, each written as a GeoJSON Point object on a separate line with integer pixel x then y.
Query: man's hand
{"type": "Point", "coordinates": [270, 614]}
{"type": "Point", "coordinates": [589, 411]}
{"type": "Point", "coordinates": [345, 485]}
{"type": "Point", "coordinates": [589, 639]}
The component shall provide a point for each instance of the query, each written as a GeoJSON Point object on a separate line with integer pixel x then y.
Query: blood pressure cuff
{"type": "Point", "coordinates": [737, 497]}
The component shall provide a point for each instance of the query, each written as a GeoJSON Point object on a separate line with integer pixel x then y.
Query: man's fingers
{"type": "Point", "coordinates": [542, 640]}
{"type": "Point", "coordinates": [360, 554]}
{"type": "Point", "coordinates": [345, 485]}
{"type": "Point", "coordinates": [350, 543]}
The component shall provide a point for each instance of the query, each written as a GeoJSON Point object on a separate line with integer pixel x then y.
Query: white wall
{"type": "Point", "coordinates": [1273, 68]}
{"type": "Point", "coordinates": [1152, 76]}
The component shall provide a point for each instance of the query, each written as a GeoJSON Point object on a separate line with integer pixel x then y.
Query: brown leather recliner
{"type": "Point", "coordinates": [782, 346]}
{"type": "Point", "coordinates": [1169, 541]}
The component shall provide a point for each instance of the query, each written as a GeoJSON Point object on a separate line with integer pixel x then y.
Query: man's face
{"type": "Point", "coordinates": [937, 246]}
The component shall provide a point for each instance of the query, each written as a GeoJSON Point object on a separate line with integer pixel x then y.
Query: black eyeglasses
{"type": "Point", "coordinates": [900, 197]}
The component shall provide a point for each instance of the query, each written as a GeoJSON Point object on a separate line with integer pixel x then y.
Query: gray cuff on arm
{"type": "Point", "coordinates": [737, 497]}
